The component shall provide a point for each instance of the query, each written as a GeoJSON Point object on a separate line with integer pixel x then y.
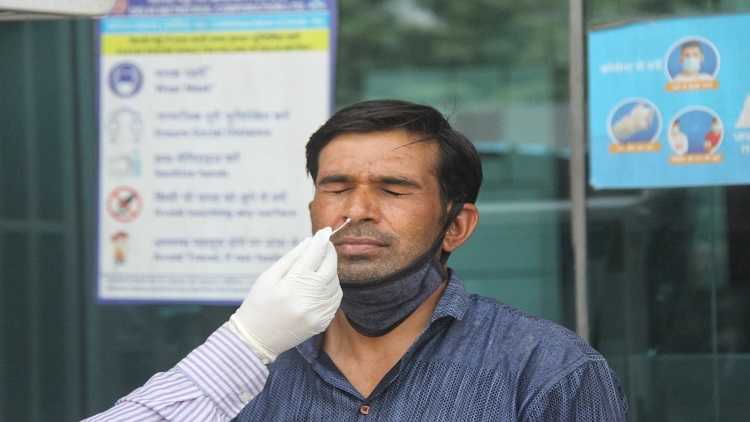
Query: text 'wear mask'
{"type": "Point", "coordinates": [376, 307]}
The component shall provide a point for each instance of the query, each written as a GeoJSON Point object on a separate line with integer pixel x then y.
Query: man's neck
{"type": "Point", "coordinates": [365, 360]}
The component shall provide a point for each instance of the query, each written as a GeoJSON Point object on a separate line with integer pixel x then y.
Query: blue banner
{"type": "Point", "coordinates": [669, 103]}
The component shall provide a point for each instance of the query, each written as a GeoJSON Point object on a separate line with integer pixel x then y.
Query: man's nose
{"type": "Point", "coordinates": [361, 205]}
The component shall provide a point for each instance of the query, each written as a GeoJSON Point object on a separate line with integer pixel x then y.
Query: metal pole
{"type": "Point", "coordinates": [576, 84]}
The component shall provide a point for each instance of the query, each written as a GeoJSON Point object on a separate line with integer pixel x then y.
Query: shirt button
{"type": "Point", "coordinates": [245, 396]}
{"type": "Point", "coordinates": [364, 409]}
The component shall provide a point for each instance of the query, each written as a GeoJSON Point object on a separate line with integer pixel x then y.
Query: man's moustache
{"type": "Point", "coordinates": [364, 230]}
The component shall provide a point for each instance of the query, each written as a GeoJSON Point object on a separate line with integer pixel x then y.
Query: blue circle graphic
{"type": "Point", "coordinates": [710, 62]}
{"type": "Point", "coordinates": [125, 80]}
{"type": "Point", "coordinates": [649, 134]}
{"type": "Point", "coordinates": [696, 124]}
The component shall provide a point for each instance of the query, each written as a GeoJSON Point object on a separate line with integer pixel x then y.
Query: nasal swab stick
{"type": "Point", "coordinates": [348, 219]}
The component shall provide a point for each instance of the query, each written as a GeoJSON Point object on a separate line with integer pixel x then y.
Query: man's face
{"type": "Point", "coordinates": [691, 52]}
{"type": "Point", "coordinates": [388, 186]}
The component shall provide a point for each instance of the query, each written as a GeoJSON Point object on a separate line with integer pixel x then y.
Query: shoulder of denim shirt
{"type": "Point", "coordinates": [497, 337]}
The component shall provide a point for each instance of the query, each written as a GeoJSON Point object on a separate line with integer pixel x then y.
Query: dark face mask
{"type": "Point", "coordinates": [376, 307]}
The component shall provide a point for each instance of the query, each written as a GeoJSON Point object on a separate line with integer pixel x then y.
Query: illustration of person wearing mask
{"type": "Point", "coordinates": [677, 138]}
{"type": "Point", "coordinates": [691, 59]}
{"type": "Point", "coordinates": [125, 80]}
{"type": "Point", "coordinates": [713, 137]}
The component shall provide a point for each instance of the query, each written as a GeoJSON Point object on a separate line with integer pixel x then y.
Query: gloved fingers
{"type": "Point", "coordinates": [330, 307]}
{"type": "Point", "coordinates": [314, 253]}
{"type": "Point", "coordinates": [328, 287]}
{"type": "Point", "coordinates": [328, 268]}
{"type": "Point", "coordinates": [281, 267]}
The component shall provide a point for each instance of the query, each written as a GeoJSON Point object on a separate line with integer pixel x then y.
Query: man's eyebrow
{"type": "Point", "coordinates": [335, 178]}
{"type": "Point", "coordinates": [398, 181]}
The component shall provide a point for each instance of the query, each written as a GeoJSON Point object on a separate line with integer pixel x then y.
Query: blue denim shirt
{"type": "Point", "coordinates": [478, 360]}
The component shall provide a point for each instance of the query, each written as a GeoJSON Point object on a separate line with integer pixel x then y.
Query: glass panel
{"type": "Point", "coordinates": [55, 330]}
{"type": "Point", "coordinates": [464, 58]}
{"type": "Point", "coordinates": [49, 93]}
{"type": "Point", "coordinates": [13, 157]}
{"type": "Point", "coordinates": [669, 280]}
{"type": "Point", "coordinates": [14, 299]}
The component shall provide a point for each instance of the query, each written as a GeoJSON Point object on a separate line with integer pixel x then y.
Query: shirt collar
{"type": "Point", "coordinates": [453, 304]}
{"type": "Point", "coordinates": [455, 300]}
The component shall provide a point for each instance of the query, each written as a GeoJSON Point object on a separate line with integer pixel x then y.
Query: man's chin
{"type": "Point", "coordinates": [361, 270]}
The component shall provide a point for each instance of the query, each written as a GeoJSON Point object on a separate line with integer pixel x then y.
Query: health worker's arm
{"type": "Point", "coordinates": [588, 393]}
{"type": "Point", "coordinates": [213, 383]}
{"type": "Point", "coordinates": [290, 302]}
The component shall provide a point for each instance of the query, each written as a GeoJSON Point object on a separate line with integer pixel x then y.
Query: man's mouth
{"type": "Point", "coordinates": [356, 245]}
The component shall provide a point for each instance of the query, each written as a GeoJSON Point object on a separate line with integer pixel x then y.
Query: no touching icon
{"type": "Point", "coordinates": [124, 204]}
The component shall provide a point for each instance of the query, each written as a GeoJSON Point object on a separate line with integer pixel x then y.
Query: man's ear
{"type": "Point", "coordinates": [461, 228]}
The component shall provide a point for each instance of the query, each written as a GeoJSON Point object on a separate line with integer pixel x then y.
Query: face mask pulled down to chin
{"type": "Point", "coordinates": [374, 308]}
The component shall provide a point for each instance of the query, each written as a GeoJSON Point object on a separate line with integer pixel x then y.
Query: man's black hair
{"type": "Point", "coordinates": [459, 168]}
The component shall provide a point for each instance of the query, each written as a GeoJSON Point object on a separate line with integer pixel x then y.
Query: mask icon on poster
{"type": "Point", "coordinates": [125, 165]}
{"type": "Point", "coordinates": [634, 126]}
{"type": "Point", "coordinates": [695, 135]}
{"type": "Point", "coordinates": [125, 80]}
{"type": "Point", "coordinates": [124, 126]}
{"type": "Point", "coordinates": [120, 247]}
{"type": "Point", "coordinates": [692, 64]}
{"type": "Point", "coordinates": [743, 122]}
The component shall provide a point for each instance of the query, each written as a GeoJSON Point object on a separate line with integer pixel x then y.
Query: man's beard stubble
{"type": "Point", "coordinates": [363, 269]}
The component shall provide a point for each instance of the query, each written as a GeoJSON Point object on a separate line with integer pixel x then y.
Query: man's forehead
{"type": "Point", "coordinates": [393, 151]}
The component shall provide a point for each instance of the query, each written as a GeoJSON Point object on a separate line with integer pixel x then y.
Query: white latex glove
{"type": "Point", "coordinates": [291, 301]}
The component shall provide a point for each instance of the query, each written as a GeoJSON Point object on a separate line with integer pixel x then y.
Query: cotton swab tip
{"type": "Point", "coordinates": [348, 219]}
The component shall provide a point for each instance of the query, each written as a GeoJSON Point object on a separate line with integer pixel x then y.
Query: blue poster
{"type": "Point", "coordinates": [669, 103]}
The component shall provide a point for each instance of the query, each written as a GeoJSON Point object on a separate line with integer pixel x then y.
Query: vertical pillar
{"type": "Point", "coordinates": [577, 113]}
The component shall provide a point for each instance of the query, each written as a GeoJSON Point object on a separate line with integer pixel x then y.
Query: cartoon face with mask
{"type": "Point", "coordinates": [691, 60]}
{"type": "Point", "coordinates": [125, 79]}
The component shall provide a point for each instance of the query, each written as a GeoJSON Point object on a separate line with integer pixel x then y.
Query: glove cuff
{"type": "Point", "coordinates": [265, 355]}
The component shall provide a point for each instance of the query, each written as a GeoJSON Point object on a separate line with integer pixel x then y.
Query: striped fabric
{"type": "Point", "coordinates": [213, 383]}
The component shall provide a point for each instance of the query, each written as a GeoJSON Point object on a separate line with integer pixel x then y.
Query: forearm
{"type": "Point", "coordinates": [213, 383]}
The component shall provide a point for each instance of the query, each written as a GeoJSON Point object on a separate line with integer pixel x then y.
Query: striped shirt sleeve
{"type": "Point", "coordinates": [213, 383]}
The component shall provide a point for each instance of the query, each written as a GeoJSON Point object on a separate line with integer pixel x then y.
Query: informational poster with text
{"type": "Point", "coordinates": [204, 111]}
{"type": "Point", "coordinates": [669, 103]}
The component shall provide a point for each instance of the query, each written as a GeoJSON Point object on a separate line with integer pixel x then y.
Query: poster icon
{"type": "Point", "coordinates": [743, 122]}
{"type": "Point", "coordinates": [124, 204]}
{"type": "Point", "coordinates": [124, 125]}
{"type": "Point", "coordinates": [125, 165]}
{"type": "Point", "coordinates": [634, 126]}
{"type": "Point", "coordinates": [120, 247]}
{"type": "Point", "coordinates": [695, 135]}
{"type": "Point", "coordinates": [692, 64]}
{"type": "Point", "coordinates": [125, 80]}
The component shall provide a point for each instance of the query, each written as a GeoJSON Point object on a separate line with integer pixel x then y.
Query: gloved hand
{"type": "Point", "coordinates": [291, 301]}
